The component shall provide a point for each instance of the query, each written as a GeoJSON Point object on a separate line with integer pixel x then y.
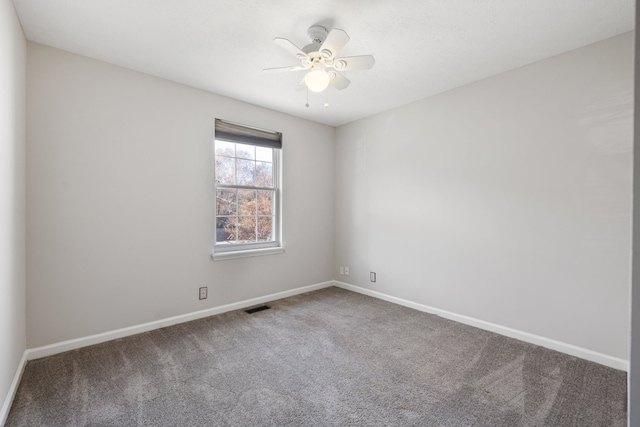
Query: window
{"type": "Point", "coordinates": [247, 194]}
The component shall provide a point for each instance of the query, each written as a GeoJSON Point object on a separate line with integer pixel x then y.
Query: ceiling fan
{"type": "Point", "coordinates": [319, 59]}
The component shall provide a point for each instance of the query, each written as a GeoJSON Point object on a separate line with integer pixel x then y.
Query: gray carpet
{"type": "Point", "coordinates": [326, 358]}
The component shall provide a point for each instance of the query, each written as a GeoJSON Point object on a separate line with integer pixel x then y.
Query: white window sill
{"type": "Point", "coordinates": [222, 256]}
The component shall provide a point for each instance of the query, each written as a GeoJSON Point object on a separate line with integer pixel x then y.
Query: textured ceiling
{"type": "Point", "coordinates": [421, 47]}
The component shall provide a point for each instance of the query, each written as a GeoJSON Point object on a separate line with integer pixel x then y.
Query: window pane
{"type": "Point", "coordinates": [246, 229]}
{"type": "Point", "coordinates": [244, 151]}
{"type": "Point", "coordinates": [264, 174]}
{"type": "Point", "coordinates": [265, 228]}
{"type": "Point", "coordinates": [245, 217]}
{"type": "Point", "coordinates": [225, 170]}
{"type": "Point", "coordinates": [265, 202]}
{"type": "Point", "coordinates": [226, 203]}
{"type": "Point", "coordinates": [264, 154]}
{"type": "Point", "coordinates": [246, 171]}
{"type": "Point", "coordinates": [226, 229]}
{"type": "Point", "coordinates": [247, 202]}
{"type": "Point", "coordinates": [224, 148]}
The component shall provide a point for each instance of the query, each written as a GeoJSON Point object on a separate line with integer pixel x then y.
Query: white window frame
{"type": "Point", "coordinates": [224, 251]}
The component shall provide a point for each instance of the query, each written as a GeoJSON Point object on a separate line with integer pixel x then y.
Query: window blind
{"type": "Point", "coordinates": [234, 132]}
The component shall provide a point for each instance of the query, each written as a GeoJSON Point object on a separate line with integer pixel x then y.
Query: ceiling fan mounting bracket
{"type": "Point", "coordinates": [317, 34]}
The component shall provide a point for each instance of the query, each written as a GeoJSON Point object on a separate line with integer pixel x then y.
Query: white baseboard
{"type": "Point", "coordinates": [570, 349]}
{"type": "Point", "coordinates": [48, 350]}
{"type": "Point", "coordinates": [6, 406]}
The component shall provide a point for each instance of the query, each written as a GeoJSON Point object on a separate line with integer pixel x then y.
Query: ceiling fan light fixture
{"type": "Point", "coordinates": [320, 61]}
{"type": "Point", "coordinates": [317, 80]}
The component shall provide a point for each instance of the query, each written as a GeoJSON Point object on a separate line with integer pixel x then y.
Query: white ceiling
{"type": "Point", "coordinates": [421, 47]}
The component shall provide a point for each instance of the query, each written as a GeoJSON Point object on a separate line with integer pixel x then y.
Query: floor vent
{"type": "Point", "coordinates": [257, 309]}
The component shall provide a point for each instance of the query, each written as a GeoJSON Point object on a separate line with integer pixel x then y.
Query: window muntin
{"type": "Point", "coordinates": [246, 178]}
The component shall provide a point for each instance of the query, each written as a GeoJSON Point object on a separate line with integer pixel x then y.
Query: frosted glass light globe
{"type": "Point", "coordinates": [317, 80]}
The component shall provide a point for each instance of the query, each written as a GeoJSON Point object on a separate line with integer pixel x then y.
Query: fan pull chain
{"type": "Point", "coordinates": [307, 104]}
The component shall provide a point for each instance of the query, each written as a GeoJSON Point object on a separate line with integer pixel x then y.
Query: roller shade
{"type": "Point", "coordinates": [234, 132]}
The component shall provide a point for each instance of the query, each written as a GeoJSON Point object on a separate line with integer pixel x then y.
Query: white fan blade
{"type": "Point", "coordinates": [351, 63]}
{"type": "Point", "coordinates": [290, 47]}
{"type": "Point", "coordinates": [338, 80]}
{"type": "Point", "coordinates": [334, 43]}
{"type": "Point", "coordinates": [291, 68]}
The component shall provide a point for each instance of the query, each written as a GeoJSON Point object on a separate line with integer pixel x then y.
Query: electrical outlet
{"type": "Point", "coordinates": [346, 271]}
{"type": "Point", "coordinates": [372, 276]}
{"type": "Point", "coordinates": [203, 293]}
{"type": "Point", "coordinates": [341, 271]}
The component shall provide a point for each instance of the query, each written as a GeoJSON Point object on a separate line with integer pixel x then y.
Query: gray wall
{"type": "Point", "coordinates": [13, 49]}
{"type": "Point", "coordinates": [120, 200]}
{"type": "Point", "coordinates": [507, 200]}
